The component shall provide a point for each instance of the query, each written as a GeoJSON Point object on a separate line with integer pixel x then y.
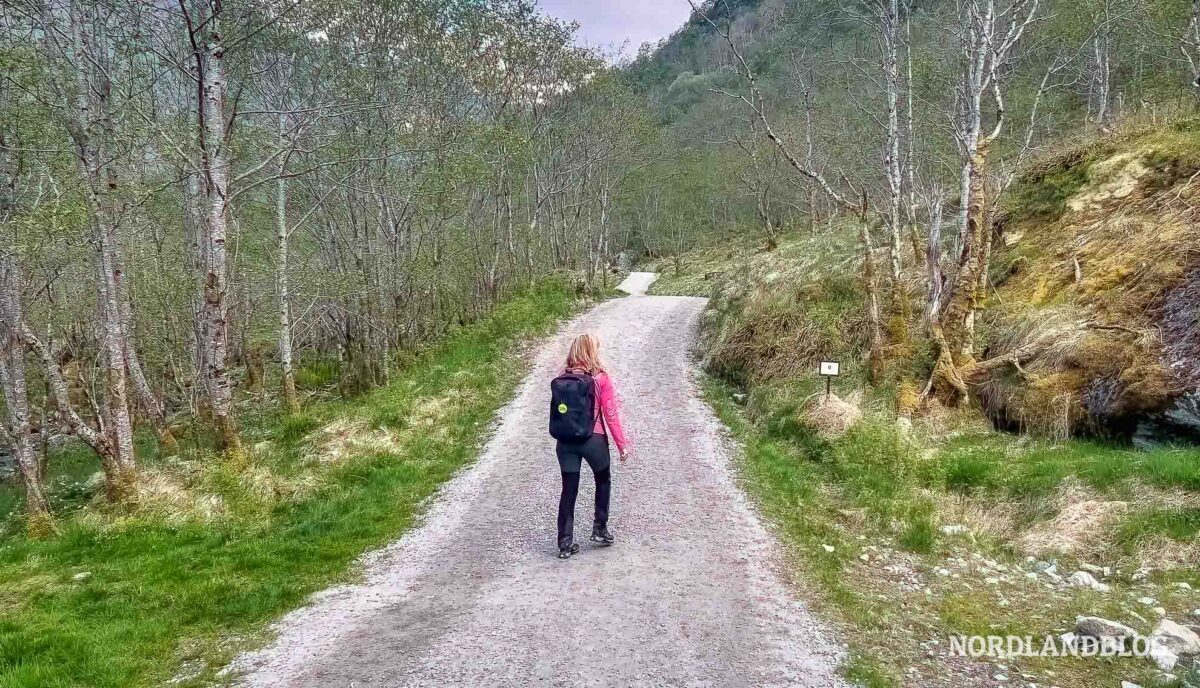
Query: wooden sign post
{"type": "Point", "coordinates": [829, 370]}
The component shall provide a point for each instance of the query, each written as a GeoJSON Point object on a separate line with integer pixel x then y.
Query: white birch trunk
{"type": "Point", "coordinates": [215, 167]}
{"type": "Point", "coordinates": [89, 121]}
{"type": "Point", "coordinates": [1189, 44]}
{"type": "Point", "coordinates": [282, 280]}
{"type": "Point", "coordinates": [933, 259]}
{"type": "Point", "coordinates": [889, 21]}
{"type": "Point", "coordinates": [16, 428]}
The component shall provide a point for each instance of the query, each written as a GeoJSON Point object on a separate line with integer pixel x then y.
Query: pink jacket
{"type": "Point", "coordinates": [609, 412]}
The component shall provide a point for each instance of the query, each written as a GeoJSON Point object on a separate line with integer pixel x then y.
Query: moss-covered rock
{"type": "Point", "coordinates": [1100, 240]}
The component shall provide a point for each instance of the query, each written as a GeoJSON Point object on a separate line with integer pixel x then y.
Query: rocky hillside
{"type": "Point", "coordinates": [1100, 251]}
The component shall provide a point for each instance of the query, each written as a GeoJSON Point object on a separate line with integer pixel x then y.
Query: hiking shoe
{"type": "Point", "coordinates": [566, 553]}
{"type": "Point", "coordinates": [600, 535]}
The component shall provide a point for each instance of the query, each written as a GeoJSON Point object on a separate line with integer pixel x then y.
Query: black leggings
{"type": "Point", "coordinates": [595, 452]}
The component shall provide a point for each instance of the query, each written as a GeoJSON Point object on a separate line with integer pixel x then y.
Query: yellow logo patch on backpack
{"type": "Point", "coordinates": [562, 408]}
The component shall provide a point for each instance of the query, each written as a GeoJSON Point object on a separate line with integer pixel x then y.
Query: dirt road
{"type": "Point", "coordinates": [688, 596]}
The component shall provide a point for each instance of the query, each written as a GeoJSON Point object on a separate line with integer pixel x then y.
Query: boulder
{"type": "Point", "coordinates": [1178, 638]}
{"type": "Point", "coordinates": [1098, 627]}
{"type": "Point", "coordinates": [1178, 424]}
{"type": "Point", "coordinates": [1083, 579]}
{"type": "Point", "coordinates": [1162, 657]}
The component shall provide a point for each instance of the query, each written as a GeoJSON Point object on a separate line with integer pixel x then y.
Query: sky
{"type": "Point", "coordinates": [612, 22]}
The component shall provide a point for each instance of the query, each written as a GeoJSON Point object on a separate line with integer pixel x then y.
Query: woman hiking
{"type": "Point", "coordinates": [583, 413]}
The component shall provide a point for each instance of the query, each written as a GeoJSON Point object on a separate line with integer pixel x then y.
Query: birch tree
{"type": "Point", "coordinates": [76, 46]}
{"type": "Point", "coordinates": [887, 29]}
{"type": "Point", "coordinates": [989, 34]}
{"type": "Point", "coordinates": [17, 427]}
{"type": "Point", "coordinates": [203, 24]}
{"type": "Point", "coordinates": [1189, 43]}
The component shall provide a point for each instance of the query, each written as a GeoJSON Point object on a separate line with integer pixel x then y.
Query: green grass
{"type": "Point", "coordinates": [163, 593]}
{"type": "Point", "coordinates": [971, 464]}
{"type": "Point", "coordinates": [670, 283]}
{"type": "Point", "coordinates": [1181, 525]}
{"type": "Point", "coordinates": [920, 530]}
{"type": "Point", "coordinates": [868, 672]}
{"type": "Point", "coordinates": [317, 374]}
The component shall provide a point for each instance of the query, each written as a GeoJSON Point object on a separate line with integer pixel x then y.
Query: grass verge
{"type": "Point", "coordinates": [138, 599]}
{"type": "Point", "coordinates": [864, 519]}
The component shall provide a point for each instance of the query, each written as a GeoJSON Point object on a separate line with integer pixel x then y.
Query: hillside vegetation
{"type": "Point", "coordinates": [915, 521]}
{"type": "Point", "coordinates": [1100, 246]}
{"type": "Point", "coordinates": [985, 211]}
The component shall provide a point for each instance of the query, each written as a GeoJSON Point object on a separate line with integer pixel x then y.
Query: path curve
{"type": "Point", "coordinates": [689, 596]}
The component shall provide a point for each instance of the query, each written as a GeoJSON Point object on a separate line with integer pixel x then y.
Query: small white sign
{"type": "Point", "coordinates": [830, 368]}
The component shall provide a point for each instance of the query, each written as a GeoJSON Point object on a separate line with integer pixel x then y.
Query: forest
{"type": "Point", "coordinates": [200, 201]}
{"type": "Point", "coordinates": [229, 226]}
{"type": "Point", "coordinates": [249, 188]}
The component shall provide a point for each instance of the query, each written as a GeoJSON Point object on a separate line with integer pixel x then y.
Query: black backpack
{"type": "Point", "coordinates": [572, 406]}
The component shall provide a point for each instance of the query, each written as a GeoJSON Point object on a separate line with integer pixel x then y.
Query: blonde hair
{"type": "Point", "coordinates": [585, 354]}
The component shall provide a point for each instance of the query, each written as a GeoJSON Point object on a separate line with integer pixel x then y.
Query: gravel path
{"type": "Point", "coordinates": [688, 596]}
{"type": "Point", "coordinates": [637, 282]}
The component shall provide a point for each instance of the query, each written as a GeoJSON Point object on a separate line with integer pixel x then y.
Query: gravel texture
{"type": "Point", "coordinates": [689, 595]}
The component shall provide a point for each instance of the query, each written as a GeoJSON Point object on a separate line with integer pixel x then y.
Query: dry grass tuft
{"type": "Point", "coordinates": [429, 411]}
{"type": "Point", "coordinates": [908, 398]}
{"type": "Point", "coordinates": [1164, 553]}
{"type": "Point", "coordinates": [1081, 527]}
{"type": "Point", "coordinates": [164, 496]}
{"type": "Point", "coordinates": [830, 417]}
{"type": "Point", "coordinates": [983, 517]}
{"type": "Point", "coordinates": [346, 438]}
